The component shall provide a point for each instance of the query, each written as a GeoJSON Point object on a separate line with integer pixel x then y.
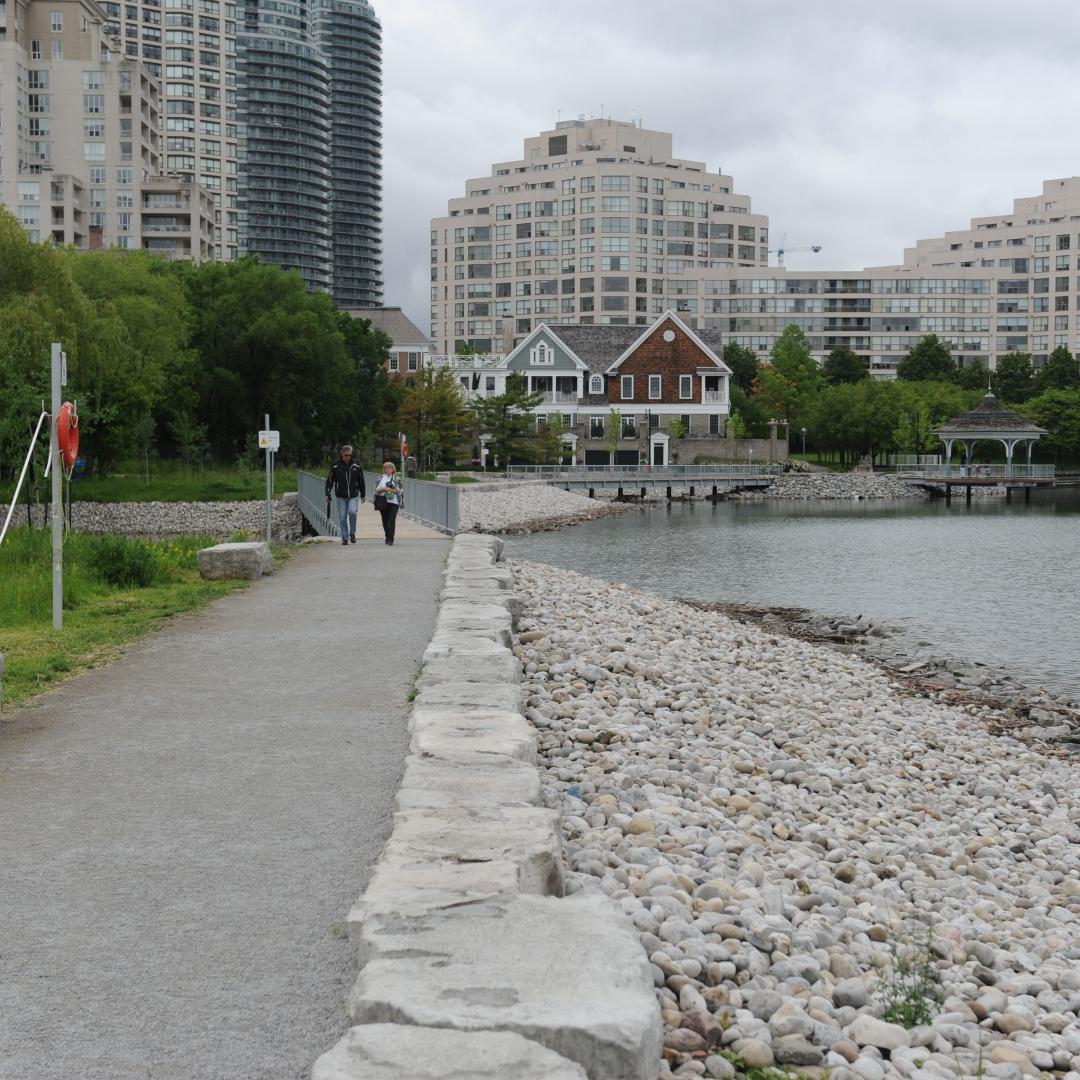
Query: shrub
{"type": "Point", "coordinates": [125, 563]}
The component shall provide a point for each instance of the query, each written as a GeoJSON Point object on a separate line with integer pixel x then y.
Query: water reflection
{"type": "Point", "coordinates": [991, 582]}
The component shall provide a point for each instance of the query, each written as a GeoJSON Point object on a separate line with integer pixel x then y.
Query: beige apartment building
{"type": "Point", "coordinates": [536, 243]}
{"type": "Point", "coordinates": [80, 138]}
{"type": "Point", "coordinates": [597, 223]}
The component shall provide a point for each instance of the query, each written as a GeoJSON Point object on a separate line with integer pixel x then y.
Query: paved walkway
{"type": "Point", "coordinates": [182, 834]}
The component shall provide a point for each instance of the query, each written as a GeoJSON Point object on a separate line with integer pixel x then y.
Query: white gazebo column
{"type": "Point", "coordinates": [948, 456]}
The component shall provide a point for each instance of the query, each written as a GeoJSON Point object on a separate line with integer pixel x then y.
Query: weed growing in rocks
{"type": "Point", "coordinates": [911, 991]}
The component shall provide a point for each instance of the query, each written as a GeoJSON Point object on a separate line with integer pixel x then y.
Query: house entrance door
{"type": "Point", "coordinates": [658, 454]}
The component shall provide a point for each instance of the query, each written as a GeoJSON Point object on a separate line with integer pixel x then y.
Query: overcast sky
{"type": "Point", "coordinates": [859, 126]}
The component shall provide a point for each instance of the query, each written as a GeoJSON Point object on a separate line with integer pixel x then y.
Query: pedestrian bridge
{"type": "Point", "coordinates": [646, 477]}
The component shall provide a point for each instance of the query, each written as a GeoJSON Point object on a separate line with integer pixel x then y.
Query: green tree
{"type": "Point", "coordinates": [507, 420]}
{"type": "Point", "coordinates": [612, 430]}
{"type": "Point", "coordinates": [1060, 372]}
{"type": "Point", "coordinates": [736, 426]}
{"type": "Point", "coordinates": [267, 345]}
{"type": "Point", "coordinates": [432, 412]}
{"type": "Point", "coordinates": [927, 360]}
{"type": "Point", "coordinates": [843, 366]}
{"type": "Point", "coordinates": [676, 430]}
{"type": "Point", "coordinates": [1059, 412]}
{"type": "Point", "coordinates": [972, 377]}
{"type": "Point", "coordinates": [743, 364]}
{"type": "Point", "coordinates": [548, 445]}
{"type": "Point", "coordinates": [1013, 377]}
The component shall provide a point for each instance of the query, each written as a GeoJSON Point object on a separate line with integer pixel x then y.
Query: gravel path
{"type": "Point", "coordinates": [182, 834]}
{"type": "Point", "coordinates": [785, 826]}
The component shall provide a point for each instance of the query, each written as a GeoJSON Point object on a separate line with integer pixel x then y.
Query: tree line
{"type": "Point", "coordinates": [177, 361]}
{"type": "Point", "coordinates": [849, 415]}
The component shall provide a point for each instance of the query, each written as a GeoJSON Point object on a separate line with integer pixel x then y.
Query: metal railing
{"type": "Point", "coordinates": [976, 472]}
{"type": "Point", "coordinates": [650, 472]}
{"type": "Point", "coordinates": [434, 505]}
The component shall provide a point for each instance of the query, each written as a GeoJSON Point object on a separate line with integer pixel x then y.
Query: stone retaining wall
{"type": "Point", "coordinates": [471, 958]}
{"type": "Point", "coordinates": [219, 519]}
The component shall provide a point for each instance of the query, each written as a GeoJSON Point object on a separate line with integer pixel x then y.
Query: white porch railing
{"type": "Point", "coordinates": [559, 397]}
{"type": "Point", "coordinates": [988, 472]}
{"type": "Point", "coordinates": [714, 397]}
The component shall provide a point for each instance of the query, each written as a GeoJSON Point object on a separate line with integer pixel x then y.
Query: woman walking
{"type": "Point", "coordinates": [388, 495]}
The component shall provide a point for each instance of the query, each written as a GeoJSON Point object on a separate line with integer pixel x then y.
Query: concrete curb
{"type": "Point", "coordinates": [468, 950]}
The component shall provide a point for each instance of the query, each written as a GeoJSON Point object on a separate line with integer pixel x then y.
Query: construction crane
{"type": "Point", "coordinates": [783, 250]}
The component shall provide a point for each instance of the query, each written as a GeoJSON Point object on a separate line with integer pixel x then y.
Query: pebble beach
{"type": "Point", "coordinates": [805, 848]}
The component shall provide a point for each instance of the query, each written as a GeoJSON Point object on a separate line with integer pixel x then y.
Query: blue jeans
{"type": "Point", "coordinates": [347, 510]}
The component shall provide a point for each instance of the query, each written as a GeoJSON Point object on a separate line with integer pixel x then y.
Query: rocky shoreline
{"type": "Point", "coordinates": [1033, 715]}
{"type": "Point", "coordinates": [812, 848]}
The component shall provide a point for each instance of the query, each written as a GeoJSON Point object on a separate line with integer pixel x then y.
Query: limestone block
{"type": "Point", "coordinates": [470, 735]}
{"type": "Point", "coordinates": [569, 974]}
{"type": "Point", "coordinates": [394, 1051]}
{"type": "Point", "coordinates": [248, 560]}
{"type": "Point", "coordinates": [474, 643]}
{"type": "Point", "coordinates": [479, 542]}
{"type": "Point", "coordinates": [442, 859]}
{"type": "Point", "coordinates": [469, 614]}
{"type": "Point", "coordinates": [460, 694]}
{"type": "Point", "coordinates": [435, 783]}
{"type": "Point", "coordinates": [499, 597]}
{"type": "Point", "coordinates": [494, 668]}
{"type": "Point", "coordinates": [498, 577]}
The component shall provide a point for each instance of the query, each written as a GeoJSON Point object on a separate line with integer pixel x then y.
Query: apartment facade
{"type": "Point", "coordinates": [597, 223]}
{"type": "Point", "coordinates": [80, 138]}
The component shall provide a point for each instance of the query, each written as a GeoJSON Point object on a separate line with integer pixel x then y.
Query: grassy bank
{"type": "Point", "coordinates": [167, 484]}
{"type": "Point", "coordinates": [116, 590]}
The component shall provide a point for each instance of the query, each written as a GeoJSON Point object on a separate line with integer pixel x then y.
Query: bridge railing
{"type": "Point", "coordinates": [988, 472]}
{"type": "Point", "coordinates": [650, 472]}
{"type": "Point", "coordinates": [434, 505]}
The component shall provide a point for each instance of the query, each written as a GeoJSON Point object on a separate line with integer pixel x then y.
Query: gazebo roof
{"type": "Point", "coordinates": [989, 420]}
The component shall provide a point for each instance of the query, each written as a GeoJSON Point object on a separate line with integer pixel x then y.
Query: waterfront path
{"type": "Point", "coordinates": [182, 834]}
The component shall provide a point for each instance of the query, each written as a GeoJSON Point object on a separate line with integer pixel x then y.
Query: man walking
{"type": "Point", "coordinates": [346, 481]}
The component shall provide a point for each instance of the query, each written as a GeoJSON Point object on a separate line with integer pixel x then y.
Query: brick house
{"type": "Point", "coordinates": [637, 380]}
{"type": "Point", "coordinates": [410, 347]}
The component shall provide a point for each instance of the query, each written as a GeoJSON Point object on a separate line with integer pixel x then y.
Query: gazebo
{"type": "Point", "coordinates": [988, 422]}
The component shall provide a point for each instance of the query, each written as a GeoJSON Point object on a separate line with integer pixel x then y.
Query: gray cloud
{"type": "Point", "coordinates": [860, 127]}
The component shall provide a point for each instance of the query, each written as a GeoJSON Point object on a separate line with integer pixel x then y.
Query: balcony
{"type": "Point", "coordinates": [559, 397]}
{"type": "Point", "coordinates": [714, 397]}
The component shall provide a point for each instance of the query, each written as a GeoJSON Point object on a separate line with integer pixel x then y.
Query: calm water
{"type": "Point", "coordinates": [994, 583]}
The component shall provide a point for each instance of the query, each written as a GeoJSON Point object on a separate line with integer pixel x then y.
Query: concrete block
{"type": "Point", "coordinates": [479, 542]}
{"type": "Point", "coordinates": [463, 695]}
{"type": "Point", "coordinates": [494, 668]}
{"type": "Point", "coordinates": [470, 736]}
{"type": "Point", "coordinates": [474, 614]}
{"type": "Point", "coordinates": [398, 1051]}
{"type": "Point", "coordinates": [569, 974]}
{"type": "Point", "coordinates": [442, 859]}
{"type": "Point", "coordinates": [436, 784]}
{"type": "Point", "coordinates": [249, 560]}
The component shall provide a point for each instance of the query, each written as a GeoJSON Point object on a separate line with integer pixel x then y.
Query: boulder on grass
{"type": "Point", "coordinates": [249, 560]}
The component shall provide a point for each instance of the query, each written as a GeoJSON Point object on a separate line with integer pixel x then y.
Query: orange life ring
{"type": "Point", "coordinates": [67, 434]}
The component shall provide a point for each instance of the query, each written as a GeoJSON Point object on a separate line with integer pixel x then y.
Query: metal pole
{"type": "Point", "coordinates": [57, 495]}
{"type": "Point", "coordinates": [269, 492]}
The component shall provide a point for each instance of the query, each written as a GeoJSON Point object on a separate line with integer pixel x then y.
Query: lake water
{"type": "Point", "coordinates": [992, 582]}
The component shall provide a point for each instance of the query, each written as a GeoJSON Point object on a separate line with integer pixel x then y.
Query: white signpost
{"type": "Point", "coordinates": [269, 441]}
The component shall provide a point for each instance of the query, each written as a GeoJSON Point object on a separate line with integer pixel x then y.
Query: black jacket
{"type": "Point", "coordinates": [346, 480]}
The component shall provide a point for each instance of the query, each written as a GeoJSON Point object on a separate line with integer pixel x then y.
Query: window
{"type": "Point", "coordinates": [94, 151]}
{"type": "Point", "coordinates": [57, 22]}
{"type": "Point", "coordinates": [655, 387]}
{"type": "Point", "coordinates": [596, 427]}
{"type": "Point", "coordinates": [686, 387]}
{"type": "Point", "coordinates": [35, 50]}
{"type": "Point", "coordinates": [542, 354]}
{"type": "Point", "coordinates": [93, 103]}
{"type": "Point", "coordinates": [414, 361]}
{"type": "Point", "coordinates": [596, 384]}
{"type": "Point", "coordinates": [714, 424]}
{"type": "Point", "coordinates": [393, 362]}
{"type": "Point", "coordinates": [58, 51]}
{"type": "Point", "coordinates": [626, 384]}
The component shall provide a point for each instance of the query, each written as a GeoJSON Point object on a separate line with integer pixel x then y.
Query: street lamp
{"type": "Point", "coordinates": [802, 432]}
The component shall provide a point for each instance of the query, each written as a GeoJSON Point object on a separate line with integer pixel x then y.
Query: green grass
{"type": "Point", "coordinates": [455, 479]}
{"type": "Point", "coordinates": [173, 484]}
{"type": "Point", "coordinates": [116, 590]}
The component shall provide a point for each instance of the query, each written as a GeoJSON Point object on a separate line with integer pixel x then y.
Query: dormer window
{"type": "Point", "coordinates": [542, 355]}
{"type": "Point", "coordinates": [596, 384]}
